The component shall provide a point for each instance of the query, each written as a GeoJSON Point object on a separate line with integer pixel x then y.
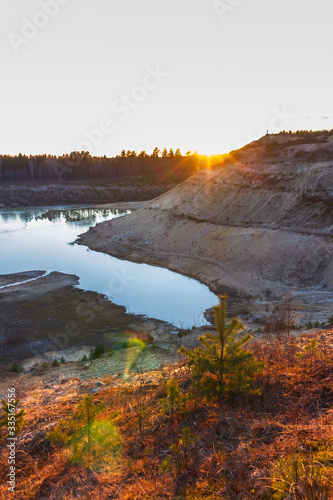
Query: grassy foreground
{"type": "Point", "coordinates": [152, 435]}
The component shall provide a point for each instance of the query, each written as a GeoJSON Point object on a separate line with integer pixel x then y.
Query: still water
{"type": "Point", "coordinates": [43, 239]}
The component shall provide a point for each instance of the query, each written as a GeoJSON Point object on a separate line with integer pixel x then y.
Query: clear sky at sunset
{"type": "Point", "coordinates": [209, 75]}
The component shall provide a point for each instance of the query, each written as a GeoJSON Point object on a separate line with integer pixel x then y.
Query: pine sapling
{"type": "Point", "coordinates": [222, 365]}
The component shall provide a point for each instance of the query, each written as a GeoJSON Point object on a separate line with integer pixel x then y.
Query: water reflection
{"type": "Point", "coordinates": [40, 239]}
{"type": "Point", "coordinates": [92, 214]}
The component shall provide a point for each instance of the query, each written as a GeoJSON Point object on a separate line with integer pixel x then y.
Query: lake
{"type": "Point", "coordinates": [44, 239]}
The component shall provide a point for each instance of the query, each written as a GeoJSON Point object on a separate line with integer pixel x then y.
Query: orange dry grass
{"type": "Point", "coordinates": [237, 443]}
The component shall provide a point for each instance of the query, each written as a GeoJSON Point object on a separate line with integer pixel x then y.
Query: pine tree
{"type": "Point", "coordinates": [174, 399]}
{"type": "Point", "coordinates": [222, 365]}
{"type": "Point", "coordinates": [92, 441]}
{"type": "Point", "coordinates": [156, 153]}
{"type": "Point", "coordinates": [8, 416]}
{"type": "Point", "coordinates": [78, 428]}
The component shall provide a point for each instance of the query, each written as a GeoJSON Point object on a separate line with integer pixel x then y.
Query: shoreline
{"type": "Point", "coordinates": [156, 236]}
{"type": "Point", "coordinates": [20, 195]}
{"type": "Point", "coordinates": [240, 304]}
{"type": "Point", "coordinates": [130, 205]}
{"type": "Point", "coordinates": [49, 318]}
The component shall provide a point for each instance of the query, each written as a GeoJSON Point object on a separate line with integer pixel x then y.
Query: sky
{"type": "Point", "coordinates": [205, 75]}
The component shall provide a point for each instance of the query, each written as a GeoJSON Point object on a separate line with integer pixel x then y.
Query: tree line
{"type": "Point", "coordinates": [80, 165]}
{"type": "Point", "coordinates": [165, 153]}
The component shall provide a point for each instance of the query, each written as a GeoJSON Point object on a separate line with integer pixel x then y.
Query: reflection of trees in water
{"type": "Point", "coordinates": [70, 215]}
{"type": "Point", "coordinates": [15, 216]}
{"type": "Point", "coordinates": [78, 215]}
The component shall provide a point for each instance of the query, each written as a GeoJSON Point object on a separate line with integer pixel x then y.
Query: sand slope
{"type": "Point", "coordinates": [257, 226]}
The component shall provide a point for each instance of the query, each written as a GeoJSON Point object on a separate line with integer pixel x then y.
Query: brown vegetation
{"type": "Point", "coordinates": [266, 446]}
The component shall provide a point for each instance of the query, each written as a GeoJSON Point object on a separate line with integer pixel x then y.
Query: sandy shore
{"type": "Point", "coordinates": [12, 279]}
{"type": "Point", "coordinates": [131, 205]}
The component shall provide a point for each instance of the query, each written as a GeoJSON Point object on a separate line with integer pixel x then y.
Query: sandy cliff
{"type": "Point", "coordinates": [257, 226]}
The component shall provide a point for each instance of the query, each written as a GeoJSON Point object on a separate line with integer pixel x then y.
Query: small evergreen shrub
{"type": "Point", "coordinates": [91, 442]}
{"type": "Point", "coordinates": [6, 418]}
{"type": "Point", "coordinates": [303, 477]}
{"type": "Point", "coordinates": [184, 453]}
{"type": "Point", "coordinates": [16, 368]}
{"type": "Point", "coordinates": [222, 365]}
{"type": "Point", "coordinates": [97, 352]}
{"type": "Point", "coordinates": [174, 399]}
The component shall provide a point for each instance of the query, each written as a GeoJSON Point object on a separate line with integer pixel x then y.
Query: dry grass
{"type": "Point", "coordinates": [249, 449]}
